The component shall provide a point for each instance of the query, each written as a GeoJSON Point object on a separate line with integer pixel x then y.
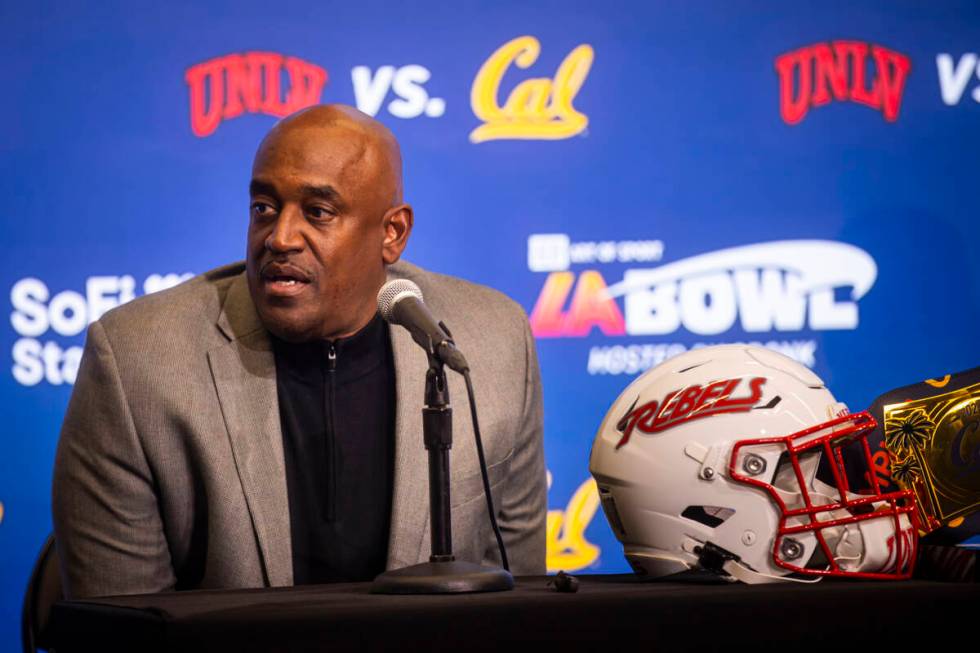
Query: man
{"type": "Point", "coordinates": [259, 425]}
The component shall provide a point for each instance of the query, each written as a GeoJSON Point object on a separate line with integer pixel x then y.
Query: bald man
{"type": "Point", "coordinates": [259, 425]}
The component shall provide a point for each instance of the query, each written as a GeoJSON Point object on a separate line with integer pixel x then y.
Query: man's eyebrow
{"type": "Point", "coordinates": [259, 187]}
{"type": "Point", "coordinates": [326, 192]}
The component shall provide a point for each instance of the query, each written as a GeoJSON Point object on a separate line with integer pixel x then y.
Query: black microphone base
{"type": "Point", "coordinates": [454, 577]}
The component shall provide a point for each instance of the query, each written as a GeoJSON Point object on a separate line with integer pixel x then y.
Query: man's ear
{"type": "Point", "coordinates": [397, 226]}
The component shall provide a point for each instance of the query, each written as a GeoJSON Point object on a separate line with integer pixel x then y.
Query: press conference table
{"type": "Point", "coordinates": [607, 613]}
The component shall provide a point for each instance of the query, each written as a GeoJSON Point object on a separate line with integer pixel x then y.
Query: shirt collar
{"type": "Point", "coordinates": [353, 356]}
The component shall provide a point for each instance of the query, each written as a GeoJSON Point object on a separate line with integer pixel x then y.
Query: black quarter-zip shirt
{"type": "Point", "coordinates": [336, 407]}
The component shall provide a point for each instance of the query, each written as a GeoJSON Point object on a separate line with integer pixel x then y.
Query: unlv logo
{"type": "Point", "coordinates": [900, 558]}
{"type": "Point", "coordinates": [841, 70]}
{"type": "Point", "coordinates": [688, 404]}
{"type": "Point", "coordinates": [228, 86]}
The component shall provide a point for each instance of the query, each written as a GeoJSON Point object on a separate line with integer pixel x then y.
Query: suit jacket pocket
{"type": "Point", "coordinates": [469, 486]}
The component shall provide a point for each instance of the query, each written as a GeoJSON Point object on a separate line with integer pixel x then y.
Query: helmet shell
{"type": "Point", "coordinates": [661, 455]}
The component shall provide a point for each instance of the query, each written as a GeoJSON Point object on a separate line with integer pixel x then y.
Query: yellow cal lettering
{"type": "Point", "coordinates": [537, 108]}
{"type": "Point", "coordinates": [567, 548]}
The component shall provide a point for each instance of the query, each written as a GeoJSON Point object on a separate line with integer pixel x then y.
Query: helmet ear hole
{"type": "Point", "coordinates": [711, 516]}
{"type": "Point", "coordinates": [612, 514]}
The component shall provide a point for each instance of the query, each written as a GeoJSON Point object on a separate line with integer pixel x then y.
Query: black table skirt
{"type": "Point", "coordinates": [607, 613]}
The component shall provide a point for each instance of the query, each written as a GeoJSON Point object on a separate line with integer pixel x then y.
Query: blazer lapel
{"type": "Point", "coordinates": [245, 377]}
{"type": "Point", "coordinates": [244, 372]}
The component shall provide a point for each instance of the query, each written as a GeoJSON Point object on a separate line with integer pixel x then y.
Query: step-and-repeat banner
{"type": "Point", "coordinates": [644, 178]}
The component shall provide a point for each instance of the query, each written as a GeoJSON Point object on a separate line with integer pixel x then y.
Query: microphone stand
{"type": "Point", "coordinates": [443, 574]}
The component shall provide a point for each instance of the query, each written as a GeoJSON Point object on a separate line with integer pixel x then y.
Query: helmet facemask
{"type": "Point", "coordinates": [825, 528]}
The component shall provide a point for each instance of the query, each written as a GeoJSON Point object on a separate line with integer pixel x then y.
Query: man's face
{"type": "Point", "coordinates": [316, 231]}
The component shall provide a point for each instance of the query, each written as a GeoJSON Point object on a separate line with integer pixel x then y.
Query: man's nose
{"type": "Point", "coordinates": [286, 235]}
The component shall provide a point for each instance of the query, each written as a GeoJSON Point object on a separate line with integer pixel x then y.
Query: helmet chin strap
{"type": "Point", "coordinates": [738, 571]}
{"type": "Point", "coordinates": [720, 561]}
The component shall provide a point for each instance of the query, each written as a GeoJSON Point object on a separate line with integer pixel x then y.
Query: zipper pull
{"type": "Point", "coordinates": [332, 358]}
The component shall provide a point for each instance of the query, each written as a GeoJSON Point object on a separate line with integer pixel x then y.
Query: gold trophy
{"type": "Point", "coordinates": [931, 432]}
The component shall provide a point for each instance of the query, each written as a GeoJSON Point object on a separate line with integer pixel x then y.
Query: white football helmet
{"type": "Point", "coordinates": [737, 460]}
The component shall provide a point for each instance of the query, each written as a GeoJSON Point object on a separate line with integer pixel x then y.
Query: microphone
{"type": "Point", "coordinates": [400, 302]}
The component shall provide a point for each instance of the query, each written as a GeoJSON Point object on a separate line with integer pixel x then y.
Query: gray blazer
{"type": "Point", "coordinates": [169, 472]}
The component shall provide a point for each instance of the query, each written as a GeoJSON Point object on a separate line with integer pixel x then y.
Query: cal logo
{"type": "Point", "coordinates": [538, 108]}
{"type": "Point", "coordinates": [567, 547]}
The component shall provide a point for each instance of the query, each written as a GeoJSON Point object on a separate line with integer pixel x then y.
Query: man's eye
{"type": "Point", "coordinates": [320, 212]}
{"type": "Point", "coordinates": [262, 208]}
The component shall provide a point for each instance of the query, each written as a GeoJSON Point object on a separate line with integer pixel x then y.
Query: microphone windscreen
{"type": "Point", "coordinates": [393, 291]}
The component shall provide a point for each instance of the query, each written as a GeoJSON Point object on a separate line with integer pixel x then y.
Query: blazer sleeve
{"type": "Point", "coordinates": [523, 504]}
{"type": "Point", "coordinates": [107, 523]}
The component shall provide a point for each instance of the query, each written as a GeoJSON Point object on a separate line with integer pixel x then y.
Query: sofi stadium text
{"type": "Point", "coordinates": [45, 320]}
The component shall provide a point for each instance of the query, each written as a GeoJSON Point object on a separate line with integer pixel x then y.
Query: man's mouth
{"type": "Point", "coordinates": [284, 279]}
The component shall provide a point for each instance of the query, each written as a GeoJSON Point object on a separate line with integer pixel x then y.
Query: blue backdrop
{"type": "Point", "coordinates": [636, 175]}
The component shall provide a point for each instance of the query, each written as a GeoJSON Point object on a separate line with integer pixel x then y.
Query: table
{"type": "Point", "coordinates": [607, 613]}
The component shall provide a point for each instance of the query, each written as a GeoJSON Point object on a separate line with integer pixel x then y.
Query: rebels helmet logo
{"type": "Point", "coordinates": [689, 403]}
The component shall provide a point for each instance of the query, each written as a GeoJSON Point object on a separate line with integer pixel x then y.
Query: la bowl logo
{"type": "Point", "coordinates": [539, 108]}
{"type": "Point", "coordinates": [777, 286]}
